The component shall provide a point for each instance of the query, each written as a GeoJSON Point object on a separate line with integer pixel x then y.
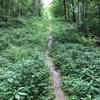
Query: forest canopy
{"type": "Point", "coordinates": [86, 13]}
{"type": "Point", "coordinates": [20, 7]}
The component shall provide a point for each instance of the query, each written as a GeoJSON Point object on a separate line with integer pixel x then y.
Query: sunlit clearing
{"type": "Point", "coordinates": [47, 2]}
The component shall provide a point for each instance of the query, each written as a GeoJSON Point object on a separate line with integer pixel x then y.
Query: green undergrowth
{"type": "Point", "coordinates": [79, 62]}
{"type": "Point", "coordinates": [66, 32]}
{"type": "Point", "coordinates": [23, 73]}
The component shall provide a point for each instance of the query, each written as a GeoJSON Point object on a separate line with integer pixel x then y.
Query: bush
{"type": "Point", "coordinates": [23, 73]}
{"type": "Point", "coordinates": [90, 26]}
{"type": "Point", "coordinates": [31, 35]}
{"type": "Point", "coordinates": [65, 32]}
{"type": "Point", "coordinates": [80, 69]}
{"type": "Point", "coordinates": [27, 79]}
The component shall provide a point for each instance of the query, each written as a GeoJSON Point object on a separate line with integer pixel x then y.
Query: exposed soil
{"type": "Point", "coordinates": [55, 74]}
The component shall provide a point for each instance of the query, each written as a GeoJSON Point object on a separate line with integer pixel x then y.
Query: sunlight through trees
{"type": "Point", "coordinates": [47, 2]}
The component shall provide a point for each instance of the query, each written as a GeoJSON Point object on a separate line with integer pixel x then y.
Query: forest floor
{"type": "Point", "coordinates": [78, 59]}
{"type": "Point", "coordinates": [55, 74]}
{"type": "Point", "coordinates": [48, 59]}
{"type": "Point", "coordinates": [23, 73]}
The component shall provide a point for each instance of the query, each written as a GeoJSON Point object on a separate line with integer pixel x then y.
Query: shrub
{"type": "Point", "coordinates": [27, 79]}
{"type": "Point", "coordinates": [23, 73]}
{"type": "Point", "coordinates": [80, 69]}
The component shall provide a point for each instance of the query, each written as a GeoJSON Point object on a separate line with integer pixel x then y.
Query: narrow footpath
{"type": "Point", "coordinates": [55, 74]}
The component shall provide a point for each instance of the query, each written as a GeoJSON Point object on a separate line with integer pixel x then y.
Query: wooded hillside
{"type": "Point", "coordinates": [49, 49]}
{"type": "Point", "coordinates": [86, 13]}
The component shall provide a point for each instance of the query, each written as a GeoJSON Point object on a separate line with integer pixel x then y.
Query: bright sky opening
{"type": "Point", "coordinates": [47, 2]}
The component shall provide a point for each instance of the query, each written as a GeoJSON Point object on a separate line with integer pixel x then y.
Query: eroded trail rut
{"type": "Point", "coordinates": [55, 74]}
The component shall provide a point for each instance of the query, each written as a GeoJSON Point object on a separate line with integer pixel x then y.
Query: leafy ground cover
{"type": "Point", "coordinates": [79, 62]}
{"type": "Point", "coordinates": [66, 32]}
{"type": "Point", "coordinates": [23, 74]}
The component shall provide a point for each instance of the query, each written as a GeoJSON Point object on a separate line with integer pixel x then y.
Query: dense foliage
{"type": "Point", "coordinates": [23, 74]}
{"type": "Point", "coordinates": [17, 8]}
{"type": "Point", "coordinates": [65, 32]}
{"type": "Point", "coordinates": [57, 8]}
{"type": "Point", "coordinates": [79, 63]}
{"type": "Point", "coordinates": [86, 13]}
{"type": "Point", "coordinates": [23, 39]}
{"type": "Point", "coordinates": [80, 70]}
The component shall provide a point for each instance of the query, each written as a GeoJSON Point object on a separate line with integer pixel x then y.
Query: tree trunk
{"type": "Point", "coordinates": [64, 3]}
{"type": "Point", "coordinates": [68, 10]}
{"type": "Point", "coordinates": [98, 10]}
{"type": "Point", "coordinates": [81, 12]}
{"type": "Point", "coordinates": [73, 12]}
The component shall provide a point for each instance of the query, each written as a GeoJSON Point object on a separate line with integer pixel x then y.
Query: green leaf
{"type": "Point", "coordinates": [10, 80]}
{"type": "Point", "coordinates": [17, 96]}
{"type": "Point", "coordinates": [22, 94]}
{"type": "Point", "coordinates": [21, 88]}
{"type": "Point", "coordinates": [11, 98]}
{"type": "Point", "coordinates": [97, 97]}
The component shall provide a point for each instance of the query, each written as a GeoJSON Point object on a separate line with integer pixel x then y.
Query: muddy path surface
{"type": "Point", "coordinates": [55, 74]}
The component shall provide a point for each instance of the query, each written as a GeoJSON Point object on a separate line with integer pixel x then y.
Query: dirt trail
{"type": "Point", "coordinates": [55, 74]}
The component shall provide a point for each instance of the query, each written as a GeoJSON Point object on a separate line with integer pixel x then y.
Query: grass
{"type": "Point", "coordinates": [78, 61]}
{"type": "Point", "coordinates": [23, 73]}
